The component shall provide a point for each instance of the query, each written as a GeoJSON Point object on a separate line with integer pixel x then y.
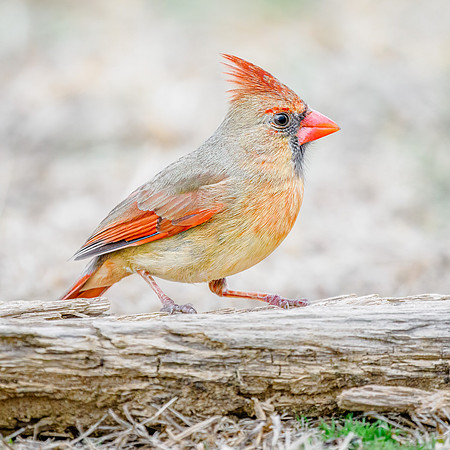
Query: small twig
{"type": "Point", "coordinates": [180, 416]}
{"type": "Point", "coordinates": [89, 431]}
{"type": "Point", "coordinates": [160, 411]}
{"type": "Point", "coordinates": [15, 434]}
{"type": "Point", "coordinates": [346, 442]}
{"type": "Point", "coordinates": [259, 412]}
{"type": "Point", "coordinates": [195, 428]}
{"type": "Point", "coordinates": [386, 419]}
{"type": "Point", "coordinates": [276, 427]}
{"type": "Point", "coordinates": [119, 420]}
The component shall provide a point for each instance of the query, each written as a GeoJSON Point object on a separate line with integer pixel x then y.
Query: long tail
{"type": "Point", "coordinates": [77, 291]}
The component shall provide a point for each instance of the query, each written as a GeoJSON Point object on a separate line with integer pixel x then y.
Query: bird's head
{"type": "Point", "coordinates": [264, 108]}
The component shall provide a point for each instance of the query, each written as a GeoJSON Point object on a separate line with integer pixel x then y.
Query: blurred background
{"type": "Point", "coordinates": [97, 97]}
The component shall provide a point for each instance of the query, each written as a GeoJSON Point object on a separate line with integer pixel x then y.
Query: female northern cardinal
{"type": "Point", "coordinates": [218, 210]}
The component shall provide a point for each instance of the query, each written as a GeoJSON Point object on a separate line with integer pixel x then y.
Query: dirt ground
{"type": "Point", "coordinates": [96, 97]}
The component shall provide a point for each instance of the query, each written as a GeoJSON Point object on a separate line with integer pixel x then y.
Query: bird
{"type": "Point", "coordinates": [218, 210]}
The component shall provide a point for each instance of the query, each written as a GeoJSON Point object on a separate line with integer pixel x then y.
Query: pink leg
{"type": "Point", "coordinates": [168, 305]}
{"type": "Point", "coordinates": [220, 288]}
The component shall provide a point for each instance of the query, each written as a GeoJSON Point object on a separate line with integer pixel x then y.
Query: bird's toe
{"type": "Point", "coordinates": [285, 303]}
{"type": "Point", "coordinates": [178, 309]}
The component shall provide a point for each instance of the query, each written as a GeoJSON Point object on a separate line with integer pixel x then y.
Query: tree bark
{"type": "Point", "coordinates": [347, 353]}
{"type": "Point", "coordinates": [51, 310]}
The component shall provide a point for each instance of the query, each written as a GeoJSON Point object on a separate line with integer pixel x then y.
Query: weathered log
{"type": "Point", "coordinates": [50, 310]}
{"type": "Point", "coordinates": [395, 399]}
{"type": "Point", "coordinates": [303, 360]}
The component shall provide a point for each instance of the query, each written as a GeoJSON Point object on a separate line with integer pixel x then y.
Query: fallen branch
{"type": "Point", "coordinates": [395, 399]}
{"type": "Point", "coordinates": [306, 360]}
{"type": "Point", "coordinates": [50, 310]}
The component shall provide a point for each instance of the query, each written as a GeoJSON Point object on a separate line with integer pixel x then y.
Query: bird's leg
{"type": "Point", "coordinates": [168, 305]}
{"type": "Point", "coordinates": [220, 288]}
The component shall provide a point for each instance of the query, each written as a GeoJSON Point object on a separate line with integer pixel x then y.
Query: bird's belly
{"type": "Point", "coordinates": [229, 243]}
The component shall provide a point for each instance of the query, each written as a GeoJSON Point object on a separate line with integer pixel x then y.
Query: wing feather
{"type": "Point", "coordinates": [146, 216]}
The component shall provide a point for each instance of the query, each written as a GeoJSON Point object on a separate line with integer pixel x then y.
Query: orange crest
{"type": "Point", "coordinates": [251, 80]}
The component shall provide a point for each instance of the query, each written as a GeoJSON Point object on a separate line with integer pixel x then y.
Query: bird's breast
{"type": "Point", "coordinates": [272, 210]}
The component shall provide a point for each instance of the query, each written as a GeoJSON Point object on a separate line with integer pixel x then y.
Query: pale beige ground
{"type": "Point", "coordinates": [96, 97]}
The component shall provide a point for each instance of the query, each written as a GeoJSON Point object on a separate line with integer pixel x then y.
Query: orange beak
{"type": "Point", "coordinates": [315, 126]}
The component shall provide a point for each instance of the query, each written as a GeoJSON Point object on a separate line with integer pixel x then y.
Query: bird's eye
{"type": "Point", "coordinates": [281, 120]}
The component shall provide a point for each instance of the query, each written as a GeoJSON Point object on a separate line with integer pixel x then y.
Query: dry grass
{"type": "Point", "coordinates": [168, 429]}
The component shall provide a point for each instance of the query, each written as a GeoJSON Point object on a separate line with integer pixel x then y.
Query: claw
{"type": "Point", "coordinates": [285, 303]}
{"type": "Point", "coordinates": [173, 308]}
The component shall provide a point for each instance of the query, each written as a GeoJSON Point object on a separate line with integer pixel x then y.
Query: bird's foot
{"type": "Point", "coordinates": [168, 305]}
{"type": "Point", "coordinates": [220, 288]}
{"type": "Point", "coordinates": [173, 308]}
{"type": "Point", "coordinates": [276, 300]}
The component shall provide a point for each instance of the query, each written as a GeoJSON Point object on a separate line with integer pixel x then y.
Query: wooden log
{"type": "Point", "coordinates": [395, 399]}
{"type": "Point", "coordinates": [51, 310]}
{"type": "Point", "coordinates": [303, 360]}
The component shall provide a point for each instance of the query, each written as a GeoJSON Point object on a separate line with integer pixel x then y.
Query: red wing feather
{"type": "Point", "coordinates": [128, 225]}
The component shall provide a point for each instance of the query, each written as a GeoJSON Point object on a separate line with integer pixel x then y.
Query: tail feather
{"type": "Point", "coordinates": [77, 291]}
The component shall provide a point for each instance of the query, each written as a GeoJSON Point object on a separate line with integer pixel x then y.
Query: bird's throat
{"type": "Point", "coordinates": [298, 155]}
